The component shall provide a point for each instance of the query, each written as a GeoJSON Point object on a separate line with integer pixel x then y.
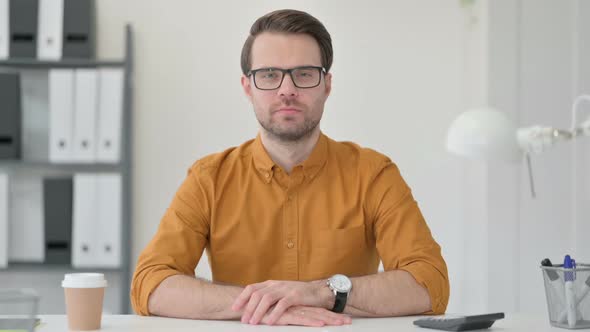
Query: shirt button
{"type": "Point", "coordinates": [267, 175]}
{"type": "Point", "coordinates": [290, 244]}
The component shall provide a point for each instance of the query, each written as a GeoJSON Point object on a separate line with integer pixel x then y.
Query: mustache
{"type": "Point", "coordinates": [288, 103]}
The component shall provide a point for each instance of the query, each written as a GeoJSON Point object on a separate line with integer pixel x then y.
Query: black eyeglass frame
{"type": "Point", "coordinates": [253, 72]}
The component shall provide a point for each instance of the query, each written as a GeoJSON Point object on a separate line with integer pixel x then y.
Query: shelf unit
{"type": "Point", "coordinates": [65, 63]}
{"type": "Point", "coordinates": [51, 273]}
{"type": "Point", "coordinates": [40, 267]}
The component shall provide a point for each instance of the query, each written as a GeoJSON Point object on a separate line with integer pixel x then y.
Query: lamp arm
{"type": "Point", "coordinates": [583, 129]}
{"type": "Point", "coordinates": [537, 139]}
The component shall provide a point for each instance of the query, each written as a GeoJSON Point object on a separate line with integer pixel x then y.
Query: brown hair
{"type": "Point", "coordinates": [289, 21]}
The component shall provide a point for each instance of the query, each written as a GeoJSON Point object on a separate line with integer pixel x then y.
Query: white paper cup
{"type": "Point", "coordinates": [84, 293]}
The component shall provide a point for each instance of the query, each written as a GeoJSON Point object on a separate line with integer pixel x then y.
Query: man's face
{"type": "Point", "coordinates": [288, 113]}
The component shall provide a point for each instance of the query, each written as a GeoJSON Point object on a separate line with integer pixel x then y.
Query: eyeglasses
{"type": "Point", "coordinates": [271, 78]}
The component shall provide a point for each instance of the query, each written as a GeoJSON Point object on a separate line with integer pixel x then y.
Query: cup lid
{"type": "Point", "coordinates": [84, 280]}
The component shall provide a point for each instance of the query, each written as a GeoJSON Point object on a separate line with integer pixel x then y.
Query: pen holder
{"type": "Point", "coordinates": [18, 309]}
{"type": "Point", "coordinates": [568, 298]}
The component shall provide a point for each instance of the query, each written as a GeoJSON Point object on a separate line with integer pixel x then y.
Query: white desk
{"type": "Point", "coordinates": [131, 323]}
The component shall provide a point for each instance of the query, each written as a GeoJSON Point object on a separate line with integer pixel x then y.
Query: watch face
{"type": "Point", "coordinates": [341, 283]}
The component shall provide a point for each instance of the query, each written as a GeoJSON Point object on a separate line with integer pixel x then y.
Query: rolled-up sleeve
{"type": "Point", "coordinates": [179, 241]}
{"type": "Point", "coordinates": [404, 241]}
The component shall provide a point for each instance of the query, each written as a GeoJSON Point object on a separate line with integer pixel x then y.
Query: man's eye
{"type": "Point", "coordinates": [305, 73]}
{"type": "Point", "coordinates": [268, 75]}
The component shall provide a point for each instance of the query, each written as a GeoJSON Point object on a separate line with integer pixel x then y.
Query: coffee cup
{"type": "Point", "coordinates": [84, 293]}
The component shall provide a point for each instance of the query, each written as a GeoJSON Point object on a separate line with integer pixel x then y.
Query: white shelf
{"type": "Point", "coordinates": [47, 277]}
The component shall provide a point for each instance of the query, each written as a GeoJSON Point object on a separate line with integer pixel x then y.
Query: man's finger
{"type": "Point", "coordinates": [329, 314]}
{"type": "Point", "coordinates": [328, 317]}
{"type": "Point", "coordinates": [244, 296]}
{"type": "Point", "coordinates": [252, 304]}
{"type": "Point", "coordinates": [299, 317]}
{"type": "Point", "coordinates": [267, 301]}
{"type": "Point", "coordinates": [278, 310]}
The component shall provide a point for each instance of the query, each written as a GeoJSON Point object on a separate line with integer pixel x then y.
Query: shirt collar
{"type": "Point", "coordinates": [316, 160]}
{"type": "Point", "coordinates": [262, 160]}
{"type": "Point", "coordinates": [311, 166]}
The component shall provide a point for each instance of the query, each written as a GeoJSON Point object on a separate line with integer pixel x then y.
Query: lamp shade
{"type": "Point", "coordinates": [484, 133]}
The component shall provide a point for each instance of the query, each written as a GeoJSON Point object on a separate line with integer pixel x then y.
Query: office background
{"type": "Point", "coordinates": [403, 70]}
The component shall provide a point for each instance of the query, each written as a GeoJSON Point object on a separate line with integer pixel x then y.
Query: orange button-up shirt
{"type": "Point", "coordinates": [341, 211]}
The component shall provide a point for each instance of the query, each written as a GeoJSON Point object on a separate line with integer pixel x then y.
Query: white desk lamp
{"type": "Point", "coordinates": [488, 134]}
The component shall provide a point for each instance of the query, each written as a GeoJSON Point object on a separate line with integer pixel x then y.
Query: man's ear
{"type": "Point", "coordinates": [247, 86]}
{"type": "Point", "coordinates": [328, 85]}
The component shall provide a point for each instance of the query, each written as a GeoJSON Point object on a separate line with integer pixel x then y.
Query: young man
{"type": "Point", "coordinates": [299, 220]}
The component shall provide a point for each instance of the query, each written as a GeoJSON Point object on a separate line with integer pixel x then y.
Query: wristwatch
{"type": "Point", "coordinates": [341, 286]}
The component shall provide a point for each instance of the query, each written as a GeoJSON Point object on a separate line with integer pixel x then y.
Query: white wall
{"type": "Point", "coordinates": [538, 61]}
{"type": "Point", "coordinates": [553, 61]}
{"type": "Point", "coordinates": [402, 71]}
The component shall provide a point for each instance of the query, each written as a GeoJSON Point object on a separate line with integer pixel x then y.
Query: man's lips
{"type": "Point", "coordinates": [287, 110]}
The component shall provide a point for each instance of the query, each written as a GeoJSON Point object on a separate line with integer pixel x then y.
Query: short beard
{"type": "Point", "coordinates": [298, 134]}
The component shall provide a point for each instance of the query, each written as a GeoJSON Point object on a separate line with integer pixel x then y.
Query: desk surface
{"type": "Point", "coordinates": [131, 323]}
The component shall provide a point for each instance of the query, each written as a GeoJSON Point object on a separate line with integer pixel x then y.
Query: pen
{"type": "Point", "coordinates": [583, 292]}
{"type": "Point", "coordinates": [550, 273]}
{"type": "Point", "coordinates": [570, 296]}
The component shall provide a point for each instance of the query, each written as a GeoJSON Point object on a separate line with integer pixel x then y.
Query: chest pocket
{"type": "Point", "coordinates": [341, 240]}
{"type": "Point", "coordinates": [334, 251]}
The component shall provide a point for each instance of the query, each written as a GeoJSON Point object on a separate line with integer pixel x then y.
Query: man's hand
{"type": "Point", "coordinates": [258, 299]}
{"type": "Point", "coordinates": [308, 316]}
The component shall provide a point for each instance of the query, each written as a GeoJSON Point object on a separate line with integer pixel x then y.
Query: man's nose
{"type": "Point", "coordinates": [288, 88]}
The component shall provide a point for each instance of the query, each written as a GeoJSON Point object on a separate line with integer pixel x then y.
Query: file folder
{"type": "Point", "coordinates": [23, 28]}
{"type": "Point", "coordinates": [84, 246]}
{"type": "Point", "coordinates": [61, 114]}
{"type": "Point", "coordinates": [26, 218]}
{"type": "Point", "coordinates": [50, 33]}
{"type": "Point", "coordinates": [4, 29]}
{"type": "Point", "coordinates": [85, 103]}
{"type": "Point", "coordinates": [58, 219]}
{"type": "Point", "coordinates": [3, 220]}
{"type": "Point", "coordinates": [109, 216]}
{"type": "Point", "coordinates": [35, 115]}
{"type": "Point", "coordinates": [97, 220]}
{"type": "Point", "coordinates": [110, 115]}
{"type": "Point", "coordinates": [10, 116]}
{"type": "Point", "coordinates": [78, 29]}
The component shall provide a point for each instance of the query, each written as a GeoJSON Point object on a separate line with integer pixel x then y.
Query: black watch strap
{"type": "Point", "coordinates": [340, 302]}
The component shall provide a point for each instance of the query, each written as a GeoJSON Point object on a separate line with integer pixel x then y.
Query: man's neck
{"type": "Point", "coordinates": [289, 154]}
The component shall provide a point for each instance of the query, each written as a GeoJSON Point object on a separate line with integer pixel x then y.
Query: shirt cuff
{"type": "Point", "coordinates": [435, 283]}
{"type": "Point", "coordinates": [141, 291]}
